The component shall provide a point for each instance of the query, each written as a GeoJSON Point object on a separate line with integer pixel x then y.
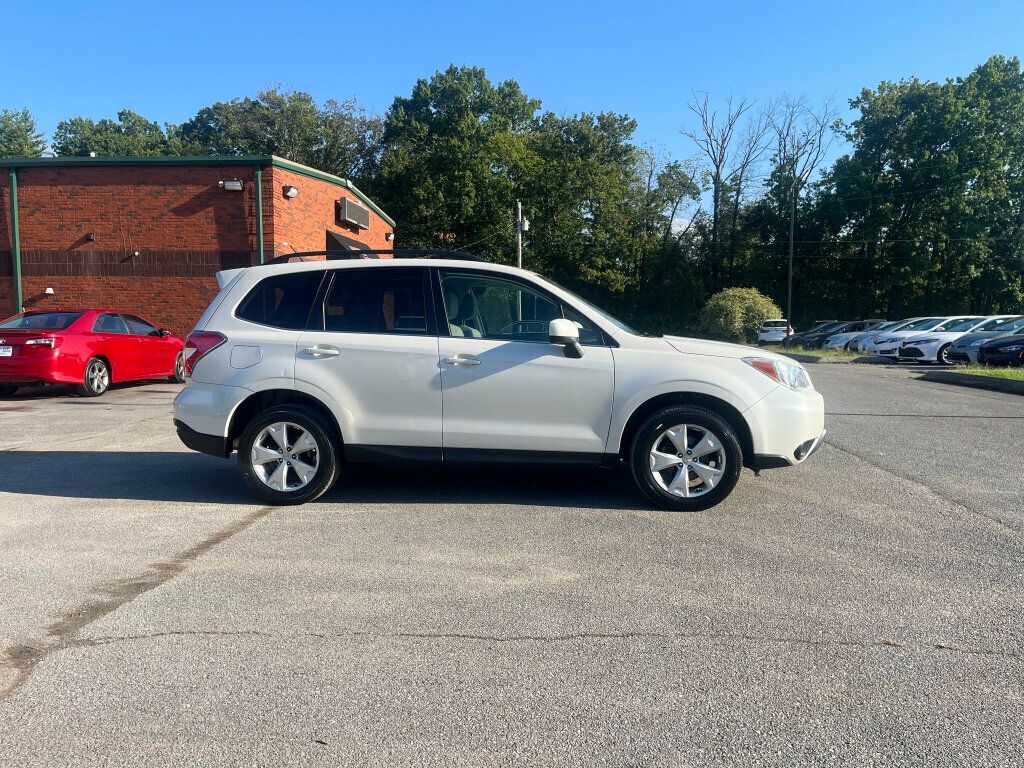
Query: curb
{"type": "Point", "coordinates": [1009, 386]}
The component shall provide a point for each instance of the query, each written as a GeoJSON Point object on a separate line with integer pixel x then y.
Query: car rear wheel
{"type": "Point", "coordinates": [686, 458]}
{"type": "Point", "coordinates": [287, 455]}
{"type": "Point", "coordinates": [179, 368]}
{"type": "Point", "coordinates": [96, 379]}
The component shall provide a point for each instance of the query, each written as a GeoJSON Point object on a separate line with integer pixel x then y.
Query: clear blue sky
{"type": "Point", "coordinates": [165, 60]}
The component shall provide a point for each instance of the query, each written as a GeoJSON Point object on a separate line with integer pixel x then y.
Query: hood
{"type": "Point", "coordinates": [720, 349]}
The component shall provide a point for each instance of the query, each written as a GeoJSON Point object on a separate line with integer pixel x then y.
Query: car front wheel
{"type": "Point", "coordinates": [686, 458]}
{"type": "Point", "coordinates": [943, 356]}
{"type": "Point", "coordinates": [287, 455]}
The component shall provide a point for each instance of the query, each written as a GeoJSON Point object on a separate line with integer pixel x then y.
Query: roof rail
{"type": "Point", "coordinates": [396, 253]}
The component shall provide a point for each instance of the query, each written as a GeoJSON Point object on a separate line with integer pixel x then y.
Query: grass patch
{"type": "Point", "coordinates": [821, 354]}
{"type": "Point", "coordinates": [1014, 374]}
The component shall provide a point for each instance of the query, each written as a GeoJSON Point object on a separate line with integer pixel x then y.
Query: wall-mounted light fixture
{"type": "Point", "coordinates": [231, 185]}
{"type": "Point", "coordinates": [390, 236]}
{"type": "Point", "coordinates": [289, 191]}
{"type": "Point", "coordinates": [48, 292]}
{"type": "Point", "coordinates": [90, 237]}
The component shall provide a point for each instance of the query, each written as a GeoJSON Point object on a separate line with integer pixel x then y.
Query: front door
{"type": "Point", "coordinates": [507, 392]}
{"type": "Point", "coordinates": [373, 350]}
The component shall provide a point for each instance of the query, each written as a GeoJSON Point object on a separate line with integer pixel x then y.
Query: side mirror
{"type": "Point", "coordinates": [565, 333]}
{"type": "Point", "coordinates": [163, 332]}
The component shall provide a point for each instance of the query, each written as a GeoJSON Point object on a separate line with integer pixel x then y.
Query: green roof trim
{"type": "Point", "coordinates": [214, 160]}
{"type": "Point", "coordinates": [305, 170]}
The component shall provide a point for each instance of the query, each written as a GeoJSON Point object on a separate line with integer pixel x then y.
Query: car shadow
{"type": "Point", "coordinates": [61, 391]}
{"type": "Point", "coordinates": [174, 476]}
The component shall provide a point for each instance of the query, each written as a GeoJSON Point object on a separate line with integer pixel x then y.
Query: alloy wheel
{"type": "Point", "coordinates": [687, 460]}
{"type": "Point", "coordinates": [98, 376]}
{"type": "Point", "coordinates": [285, 457]}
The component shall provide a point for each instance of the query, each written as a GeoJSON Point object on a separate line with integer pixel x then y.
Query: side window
{"type": "Point", "coordinates": [282, 301]}
{"type": "Point", "coordinates": [139, 327]}
{"type": "Point", "coordinates": [384, 300]}
{"type": "Point", "coordinates": [108, 322]}
{"type": "Point", "coordinates": [487, 307]}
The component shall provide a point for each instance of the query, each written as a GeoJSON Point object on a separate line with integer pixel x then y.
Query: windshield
{"type": "Point", "coordinates": [1002, 324]}
{"type": "Point", "coordinates": [828, 328]}
{"type": "Point", "coordinates": [883, 326]}
{"type": "Point", "coordinates": [924, 324]}
{"type": "Point", "coordinates": [962, 325]}
{"type": "Point", "coordinates": [41, 321]}
{"type": "Point", "coordinates": [774, 324]}
{"type": "Point", "coordinates": [610, 318]}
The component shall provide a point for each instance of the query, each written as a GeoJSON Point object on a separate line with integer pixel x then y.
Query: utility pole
{"type": "Point", "coordinates": [792, 227]}
{"type": "Point", "coordinates": [519, 233]}
{"type": "Point", "coordinates": [794, 189]}
{"type": "Point", "coordinates": [522, 225]}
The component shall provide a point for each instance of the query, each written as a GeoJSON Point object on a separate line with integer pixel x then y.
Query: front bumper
{"type": "Point", "coordinates": [786, 426]}
{"type": "Point", "coordinates": [963, 354]}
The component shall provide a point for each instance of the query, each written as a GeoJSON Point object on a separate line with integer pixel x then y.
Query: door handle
{"type": "Point", "coordinates": [463, 360]}
{"type": "Point", "coordinates": [322, 350]}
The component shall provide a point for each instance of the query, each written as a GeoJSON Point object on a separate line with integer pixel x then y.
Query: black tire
{"type": "Point", "coordinates": [943, 355]}
{"type": "Point", "coordinates": [178, 377]}
{"type": "Point", "coordinates": [95, 378]}
{"type": "Point", "coordinates": [327, 452]}
{"type": "Point", "coordinates": [652, 430]}
{"type": "Point", "coordinates": [6, 390]}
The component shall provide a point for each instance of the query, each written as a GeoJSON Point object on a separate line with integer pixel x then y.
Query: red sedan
{"type": "Point", "coordinates": [91, 349]}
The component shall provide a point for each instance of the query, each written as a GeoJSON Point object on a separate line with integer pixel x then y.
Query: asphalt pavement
{"type": "Point", "coordinates": [863, 609]}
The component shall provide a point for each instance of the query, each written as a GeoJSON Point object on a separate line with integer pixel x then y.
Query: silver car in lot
{"type": "Point", "coordinates": [965, 349]}
{"type": "Point", "coordinates": [849, 340]}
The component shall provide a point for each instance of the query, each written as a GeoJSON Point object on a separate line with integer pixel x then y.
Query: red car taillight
{"type": "Point", "coordinates": [46, 342]}
{"type": "Point", "coordinates": [198, 345]}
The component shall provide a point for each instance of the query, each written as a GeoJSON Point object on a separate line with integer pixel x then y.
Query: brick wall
{"type": "Point", "coordinates": [301, 223]}
{"type": "Point", "coordinates": [150, 238]}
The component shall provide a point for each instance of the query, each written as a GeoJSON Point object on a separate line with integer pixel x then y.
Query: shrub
{"type": "Point", "coordinates": [735, 314]}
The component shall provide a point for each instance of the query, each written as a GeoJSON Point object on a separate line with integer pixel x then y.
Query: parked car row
{"type": "Point", "coordinates": [87, 348]}
{"type": "Point", "coordinates": [988, 339]}
{"type": "Point", "coordinates": [949, 339]}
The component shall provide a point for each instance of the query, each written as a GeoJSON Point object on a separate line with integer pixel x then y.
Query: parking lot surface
{"type": "Point", "coordinates": [865, 609]}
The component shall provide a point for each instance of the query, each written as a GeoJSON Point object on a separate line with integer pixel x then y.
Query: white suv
{"type": "Point", "coordinates": [303, 366]}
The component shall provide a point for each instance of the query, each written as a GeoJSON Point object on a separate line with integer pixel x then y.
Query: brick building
{"type": "Point", "coordinates": [148, 234]}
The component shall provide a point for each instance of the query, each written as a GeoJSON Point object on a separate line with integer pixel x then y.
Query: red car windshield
{"type": "Point", "coordinates": [41, 321]}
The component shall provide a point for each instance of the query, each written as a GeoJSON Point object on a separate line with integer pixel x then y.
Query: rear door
{"type": "Point", "coordinates": [372, 346]}
{"type": "Point", "coordinates": [112, 340]}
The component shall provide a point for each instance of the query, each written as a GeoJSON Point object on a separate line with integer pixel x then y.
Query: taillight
{"type": "Point", "coordinates": [198, 345]}
{"type": "Point", "coordinates": [51, 342]}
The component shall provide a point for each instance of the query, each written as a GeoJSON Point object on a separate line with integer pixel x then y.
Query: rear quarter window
{"type": "Point", "coordinates": [282, 301]}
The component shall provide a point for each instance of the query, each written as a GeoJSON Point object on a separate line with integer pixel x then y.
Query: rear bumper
{"type": "Point", "coordinates": [30, 369]}
{"type": "Point", "coordinates": [197, 441]}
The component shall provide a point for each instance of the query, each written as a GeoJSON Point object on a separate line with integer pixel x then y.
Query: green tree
{"type": "Point", "coordinates": [735, 314]}
{"type": "Point", "coordinates": [449, 152]}
{"type": "Point", "coordinates": [19, 135]}
{"type": "Point", "coordinates": [130, 135]}
{"type": "Point", "coordinates": [338, 137]}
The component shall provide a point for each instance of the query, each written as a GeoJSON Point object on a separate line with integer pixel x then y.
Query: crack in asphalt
{"type": "Point", "coordinates": [572, 637]}
{"type": "Point", "coordinates": [24, 657]}
{"type": "Point", "coordinates": [935, 491]}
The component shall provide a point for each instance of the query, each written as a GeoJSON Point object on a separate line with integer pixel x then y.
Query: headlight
{"type": "Point", "coordinates": [1014, 348]}
{"type": "Point", "coordinates": [788, 374]}
{"type": "Point", "coordinates": [923, 341]}
{"type": "Point", "coordinates": [890, 340]}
